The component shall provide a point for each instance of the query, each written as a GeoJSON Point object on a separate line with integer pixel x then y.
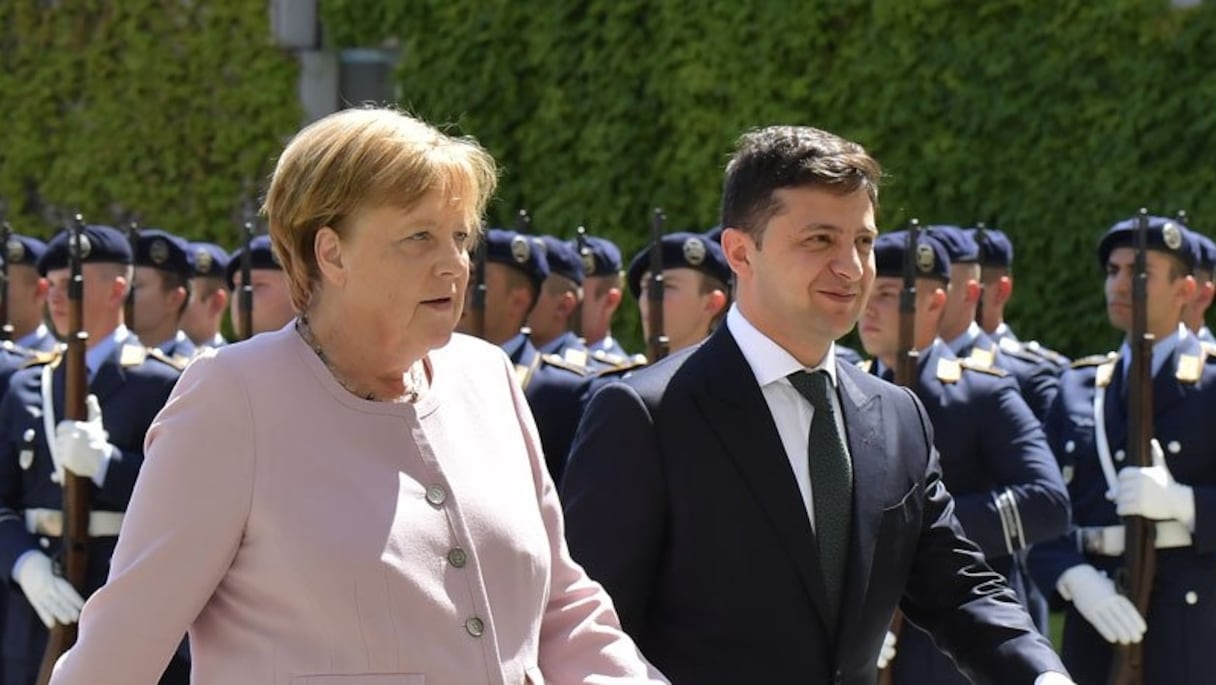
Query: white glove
{"type": "Point", "coordinates": [887, 653]}
{"type": "Point", "coordinates": [53, 598]}
{"type": "Point", "coordinates": [83, 447]}
{"type": "Point", "coordinates": [1094, 595]}
{"type": "Point", "coordinates": [1053, 678]}
{"type": "Point", "coordinates": [1152, 492]}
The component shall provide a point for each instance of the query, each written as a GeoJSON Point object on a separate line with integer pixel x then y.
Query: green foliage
{"type": "Point", "coordinates": [162, 108]}
{"type": "Point", "coordinates": [1051, 120]}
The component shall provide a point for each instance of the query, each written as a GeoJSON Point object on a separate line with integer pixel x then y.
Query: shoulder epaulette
{"type": "Point", "coordinates": [554, 360]}
{"type": "Point", "coordinates": [971, 365]}
{"type": "Point", "coordinates": [177, 361]}
{"type": "Point", "coordinates": [1017, 350]}
{"type": "Point", "coordinates": [1093, 360]}
{"type": "Point", "coordinates": [623, 367]}
{"type": "Point", "coordinates": [1035, 347]}
{"type": "Point", "coordinates": [575, 356]}
{"type": "Point", "coordinates": [981, 357]}
{"type": "Point", "coordinates": [1209, 349]}
{"type": "Point", "coordinates": [40, 358]}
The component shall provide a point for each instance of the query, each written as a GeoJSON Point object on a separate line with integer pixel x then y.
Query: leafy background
{"type": "Point", "coordinates": [1051, 120]}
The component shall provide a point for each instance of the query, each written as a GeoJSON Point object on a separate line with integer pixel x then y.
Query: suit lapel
{"type": "Point", "coordinates": [736, 411]}
{"type": "Point", "coordinates": [862, 418]}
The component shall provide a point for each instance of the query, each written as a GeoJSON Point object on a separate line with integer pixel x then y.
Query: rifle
{"type": "Point", "coordinates": [249, 228]}
{"type": "Point", "coordinates": [906, 367]}
{"type": "Point", "coordinates": [76, 501]}
{"type": "Point", "coordinates": [128, 307]}
{"type": "Point", "coordinates": [981, 237]}
{"type": "Point", "coordinates": [1135, 579]}
{"type": "Point", "coordinates": [477, 309]}
{"type": "Point", "coordinates": [657, 346]}
{"type": "Point", "coordinates": [523, 222]}
{"type": "Point", "coordinates": [584, 256]}
{"type": "Point", "coordinates": [6, 234]}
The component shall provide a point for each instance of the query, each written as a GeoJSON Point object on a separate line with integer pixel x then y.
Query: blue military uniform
{"type": "Point", "coordinates": [1007, 488]}
{"type": "Point", "coordinates": [996, 250]}
{"type": "Point", "coordinates": [601, 257]}
{"type": "Point", "coordinates": [680, 250]}
{"type": "Point", "coordinates": [26, 251]}
{"type": "Point", "coordinates": [1037, 377]}
{"type": "Point", "coordinates": [551, 385]}
{"type": "Point", "coordinates": [1206, 261]}
{"type": "Point", "coordinates": [166, 252]}
{"type": "Point", "coordinates": [131, 384]}
{"type": "Point", "coordinates": [1088, 429]}
{"type": "Point", "coordinates": [565, 261]}
{"type": "Point", "coordinates": [847, 355]}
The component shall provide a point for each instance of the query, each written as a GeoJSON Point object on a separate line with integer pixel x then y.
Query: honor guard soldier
{"type": "Point", "coordinates": [164, 266]}
{"type": "Point", "coordinates": [1007, 489]}
{"type": "Point", "coordinates": [696, 290]}
{"type": "Point", "coordinates": [272, 307]}
{"type": "Point", "coordinates": [557, 303]}
{"type": "Point", "coordinates": [208, 296]}
{"type": "Point", "coordinates": [1088, 429]}
{"type": "Point", "coordinates": [1037, 378]}
{"type": "Point", "coordinates": [27, 295]}
{"type": "Point", "coordinates": [602, 292]}
{"type": "Point", "coordinates": [1195, 313]}
{"type": "Point", "coordinates": [128, 384]}
{"type": "Point", "coordinates": [996, 277]}
{"type": "Point", "coordinates": [515, 271]}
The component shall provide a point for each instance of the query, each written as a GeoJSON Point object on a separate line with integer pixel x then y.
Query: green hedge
{"type": "Point", "coordinates": [1051, 120]}
{"type": "Point", "coordinates": [164, 109]}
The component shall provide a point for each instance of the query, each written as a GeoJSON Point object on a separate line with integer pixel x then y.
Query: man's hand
{"type": "Point", "coordinates": [1152, 492]}
{"type": "Point", "coordinates": [1095, 597]}
{"type": "Point", "coordinates": [53, 598]}
{"type": "Point", "coordinates": [83, 447]}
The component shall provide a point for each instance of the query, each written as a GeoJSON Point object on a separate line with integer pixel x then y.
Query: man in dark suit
{"type": "Point", "coordinates": [758, 523]}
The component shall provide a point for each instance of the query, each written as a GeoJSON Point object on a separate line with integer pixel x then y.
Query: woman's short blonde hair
{"type": "Point", "coordinates": [362, 159]}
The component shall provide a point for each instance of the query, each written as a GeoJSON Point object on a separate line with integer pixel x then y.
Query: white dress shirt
{"type": "Point", "coordinates": [791, 412]}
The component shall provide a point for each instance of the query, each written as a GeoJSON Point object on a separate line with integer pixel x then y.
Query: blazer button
{"type": "Point", "coordinates": [436, 495]}
{"type": "Point", "coordinates": [457, 557]}
{"type": "Point", "coordinates": [475, 627]}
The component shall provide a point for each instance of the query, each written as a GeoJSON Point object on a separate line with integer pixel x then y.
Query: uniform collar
{"type": "Point", "coordinates": [1004, 331]}
{"type": "Point", "coordinates": [168, 345]}
{"type": "Point", "coordinates": [769, 361]}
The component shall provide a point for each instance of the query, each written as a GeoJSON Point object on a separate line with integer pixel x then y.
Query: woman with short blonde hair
{"type": "Point", "coordinates": [359, 497]}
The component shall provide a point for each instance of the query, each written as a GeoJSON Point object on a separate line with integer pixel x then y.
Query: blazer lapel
{"type": "Point", "coordinates": [737, 413]}
{"type": "Point", "coordinates": [862, 414]}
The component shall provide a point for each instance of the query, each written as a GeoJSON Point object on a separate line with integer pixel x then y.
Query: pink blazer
{"type": "Point", "coordinates": [308, 537]}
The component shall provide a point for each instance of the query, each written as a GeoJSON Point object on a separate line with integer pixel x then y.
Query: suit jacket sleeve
{"type": "Point", "coordinates": [969, 609]}
{"type": "Point", "coordinates": [615, 500]}
{"type": "Point", "coordinates": [581, 640]}
{"type": "Point", "coordinates": [1016, 455]}
{"type": "Point", "coordinates": [180, 535]}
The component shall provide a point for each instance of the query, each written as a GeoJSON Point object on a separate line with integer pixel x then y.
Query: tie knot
{"type": "Point", "coordinates": [814, 386]}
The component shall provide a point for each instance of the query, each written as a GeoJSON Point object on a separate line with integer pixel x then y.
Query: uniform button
{"type": "Point", "coordinates": [45, 543]}
{"type": "Point", "coordinates": [1174, 447]}
{"type": "Point", "coordinates": [1191, 597]}
{"type": "Point", "coordinates": [475, 627]}
{"type": "Point", "coordinates": [436, 495]}
{"type": "Point", "coordinates": [1070, 447]}
{"type": "Point", "coordinates": [1120, 455]}
{"type": "Point", "coordinates": [457, 557]}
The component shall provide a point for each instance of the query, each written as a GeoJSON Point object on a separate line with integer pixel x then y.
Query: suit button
{"type": "Point", "coordinates": [475, 627]}
{"type": "Point", "coordinates": [838, 677]}
{"type": "Point", "coordinates": [457, 557]}
{"type": "Point", "coordinates": [1192, 598]}
{"type": "Point", "coordinates": [436, 495]}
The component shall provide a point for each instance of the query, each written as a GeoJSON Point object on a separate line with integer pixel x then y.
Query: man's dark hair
{"type": "Point", "coordinates": [768, 159]}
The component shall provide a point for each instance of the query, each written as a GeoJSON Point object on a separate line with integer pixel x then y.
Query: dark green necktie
{"type": "Point", "coordinates": [831, 481]}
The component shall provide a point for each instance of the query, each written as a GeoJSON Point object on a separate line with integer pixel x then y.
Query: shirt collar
{"type": "Point", "coordinates": [965, 340]}
{"type": "Point", "coordinates": [29, 340]}
{"type": "Point", "coordinates": [96, 355]}
{"type": "Point", "coordinates": [769, 361]}
{"type": "Point", "coordinates": [1162, 349]}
